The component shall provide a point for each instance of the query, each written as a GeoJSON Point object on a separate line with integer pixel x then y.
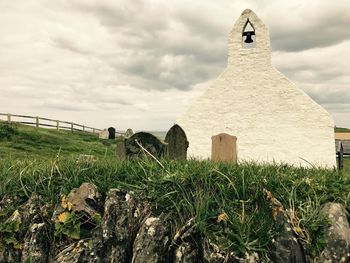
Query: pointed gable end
{"type": "Point", "coordinates": [272, 119]}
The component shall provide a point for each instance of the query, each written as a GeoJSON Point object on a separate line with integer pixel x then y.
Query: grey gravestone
{"type": "Point", "coordinates": [177, 143]}
{"type": "Point", "coordinates": [128, 133]}
{"type": "Point", "coordinates": [103, 134]}
{"type": "Point", "coordinates": [120, 150]}
{"type": "Point", "coordinates": [111, 132]}
{"type": "Point", "coordinates": [148, 141]}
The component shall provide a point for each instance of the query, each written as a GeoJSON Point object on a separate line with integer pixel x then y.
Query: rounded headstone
{"type": "Point", "coordinates": [120, 150]}
{"type": "Point", "coordinates": [111, 133]}
{"type": "Point", "coordinates": [148, 141]}
{"type": "Point", "coordinates": [103, 134]}
{"type": "Point", "coordinates": [177, 143]}
{"type": "Point", "coordinates": [128, 133]}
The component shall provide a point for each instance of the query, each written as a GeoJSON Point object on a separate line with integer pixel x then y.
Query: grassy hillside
{"type": "Point", "coordinates": [340, 129]}
{"type": "Point", "coordinates": [20, 141]}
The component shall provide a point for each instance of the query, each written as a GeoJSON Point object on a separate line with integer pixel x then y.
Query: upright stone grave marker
{"type": "Point", "coordinates": [340, 155]}
{"type": "Point", "coordinates": [224, 148]}
{"type": "Point", "coordinates": [120, 150]}
{"type": "Point", "coordinates": [128, 133]}
{"type": "Point", "coordinates": [111, 132]}
{"type": "Point", "coordinates": [177, 143]}
{"type": "Point", "coordinates": [148, 141]}
{"type": "Point", "coordinates": [103, 134]}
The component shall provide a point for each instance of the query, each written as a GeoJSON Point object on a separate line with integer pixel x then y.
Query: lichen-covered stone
{"type": "Point", "coordinates": [186, 253]}
{"type": "Point", "coordinates": [123, 214]}
{"type": "Point", "coordinates": [8, 204]}
{"type": "Point", "coordinates": [9, 250]}
{"type": "Point", "coordinates": [249, 258]}
{"type": "Point", "coordinates": [36, 244]}
{"type": "Point", "coordinates": [31, 212]}
{"type": "Point", "coordinates": [85, 199]}
{"type": "Point", "coordinates": [9, 255]}
{"type": "Point", "coordinates": [86, 203]}
{"type": "Point", "coordinates": [213, 254]}
{"type": "Point", "coordinates": [152, 241]}
{"type": "Point", "coordinates": [185, 244]}
{"type": "Point", "coordinates": [337, 234]}
{"type": "Point", "coordinates": [285, 247]}
{"type": "Point", "coordinates": [148, 141]}
{"type": "Point", "coordinates": [77, 252]}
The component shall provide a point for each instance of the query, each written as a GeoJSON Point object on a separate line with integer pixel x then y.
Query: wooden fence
{"type": "Point", "coordinates": [46, 123]}
{"type": "Point", "coordinates": [342, 148]}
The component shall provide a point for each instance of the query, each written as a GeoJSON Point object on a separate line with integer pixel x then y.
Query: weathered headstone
{"type": "Point", "coordinates": [128, 133]}
{"type": "Point", "coordinates": [148, 141]}
{"type": "Point", "coordinates": [120, 150]}
{"type": "Point", "coordinates": [111, 133]}
{"type": "Point", "coordinates": [177, 143]}
{"type": "Point", "coordinates": [224, 148]}
{"type": "Point", "coordinates": [103, 134]}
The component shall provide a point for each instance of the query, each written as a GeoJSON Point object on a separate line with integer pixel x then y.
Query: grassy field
{"type": "Point", "coordinates": [182, 189]}
{"type": "Point", "coordinates": [20, 141]}
{"type": "Point", "coordinates": [340, 129]}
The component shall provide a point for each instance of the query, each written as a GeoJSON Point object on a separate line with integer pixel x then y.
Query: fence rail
{"type": "Point", "coordinates": [57, 124]}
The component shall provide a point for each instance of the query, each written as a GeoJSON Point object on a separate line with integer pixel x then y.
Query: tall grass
{"type": "Point", "coordinates": [194, 189]}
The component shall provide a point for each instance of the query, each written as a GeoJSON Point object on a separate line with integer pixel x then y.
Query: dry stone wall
{"type": "Point", "coordinates": [122, 228]}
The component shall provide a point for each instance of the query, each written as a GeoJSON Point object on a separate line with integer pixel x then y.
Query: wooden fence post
{"type": "Point", "coordinates": [93, 130]}
{"type": "Point", "coordinates": [83, 128]}
{"type": "Point", "coordinates": [8, 117]}
{"type": "Point", "coordinates": [57, 125]}
{"type": "Point", "coordinates": [340, 154]}
{"type": "Point", "coordinates": [37, 121]}
{"type": "Point", "coordinates": [71, 126]}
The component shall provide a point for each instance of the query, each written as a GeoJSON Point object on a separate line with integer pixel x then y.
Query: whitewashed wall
{"type": "Point", "coordinates": [272, 119]}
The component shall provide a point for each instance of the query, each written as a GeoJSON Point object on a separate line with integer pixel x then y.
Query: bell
{"type": "Point", "coordinates": [248, 36]}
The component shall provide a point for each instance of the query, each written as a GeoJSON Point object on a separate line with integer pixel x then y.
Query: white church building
{"type": "Point", "coordinates": [273, 120]}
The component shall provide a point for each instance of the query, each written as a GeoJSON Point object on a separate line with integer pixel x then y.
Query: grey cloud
{"type": "Point", "coordinates": [151, 32]}
{"type": "Point", "coordinates": [311, 75]}
{"type": "Point", "coordinates": [200, 24]}
{"type": "Point", "coordinates": [69, 44]}
{"type": "Point", "coordinates": [330, 96]}
{"type": "Point", "coordinates": [86, 51]}
{"type": "Point", "coordinates": [340, 107]}
{"type": "Point", "coordinates": [136, 14]}
{"type": "Point", "coordinates": [310, 38]}
{"type": "Point", "coordinates": [323, 27]}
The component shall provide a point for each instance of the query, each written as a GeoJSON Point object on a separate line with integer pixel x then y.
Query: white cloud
{"type": "Point", "coordinates": [140, 63]}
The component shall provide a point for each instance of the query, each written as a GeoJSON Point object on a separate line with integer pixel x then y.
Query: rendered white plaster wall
{"type": "Point", "coordinates": [272, 119]}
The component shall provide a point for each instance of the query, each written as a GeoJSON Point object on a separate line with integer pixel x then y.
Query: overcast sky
{"type": "Point", "coordinates": [140, 63]}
